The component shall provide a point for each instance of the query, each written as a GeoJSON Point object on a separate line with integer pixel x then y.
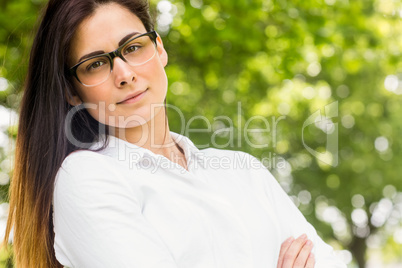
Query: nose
{"type": "Point", "coordinates": [123, 73]}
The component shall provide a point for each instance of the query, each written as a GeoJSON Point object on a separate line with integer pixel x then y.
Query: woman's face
{"type": "Point", "coordinates": [102, 33]}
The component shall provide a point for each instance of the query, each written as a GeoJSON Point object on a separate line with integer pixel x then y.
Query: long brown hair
{"type": "Point", "coordinates": [42, 143]}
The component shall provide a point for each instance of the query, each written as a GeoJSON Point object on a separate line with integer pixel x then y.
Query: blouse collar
{"type": "Point", "coordinates": [125, 151]}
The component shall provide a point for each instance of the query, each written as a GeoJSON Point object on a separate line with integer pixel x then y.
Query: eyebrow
{"type": "Point", "coordinates": [121, 42]}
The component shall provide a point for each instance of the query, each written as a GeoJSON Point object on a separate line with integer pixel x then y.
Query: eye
{"type": "Point", "coordinates": [95, 65]}
{"type": "Point", "coordinates": [131, 49]}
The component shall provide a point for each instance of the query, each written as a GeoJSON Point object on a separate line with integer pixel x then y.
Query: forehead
{"type": "Point", "coordinates": [103, 30]}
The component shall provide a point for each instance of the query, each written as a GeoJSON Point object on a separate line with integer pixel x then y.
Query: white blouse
{"type": "Point", "coordinates": [128, 207]}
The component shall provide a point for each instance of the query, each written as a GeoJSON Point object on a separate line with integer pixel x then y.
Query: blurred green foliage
{"type": "Point", "coordinates": [282, 61]}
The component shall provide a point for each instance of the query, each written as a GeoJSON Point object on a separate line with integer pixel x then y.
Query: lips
{"type": "Point", "coordinates": [133, 97]}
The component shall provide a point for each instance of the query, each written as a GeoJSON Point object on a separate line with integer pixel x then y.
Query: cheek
{"type": "Point", "coordinates": [162, 84]}
{"type": "Point", "coordinates": [97, 104]}
{"type": "Point", "coordinates": [101, 111]}
{"type": "Point", "coordinates": [99, 97]}
{"type": "Point", "coordinates": [94, 102]}
{"type": "Point", "coordinates": [96, 94]}
{"type": "Point", "coordinates": [156, 75]}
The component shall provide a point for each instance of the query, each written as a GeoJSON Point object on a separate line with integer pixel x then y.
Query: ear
{"type": "Point", "coordinates": [161, 50]}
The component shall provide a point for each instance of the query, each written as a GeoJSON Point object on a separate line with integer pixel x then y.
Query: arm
{"type": "Point", "coordinates": [98, 220]}
{"type": "Point", "coordinates": [292, 221]}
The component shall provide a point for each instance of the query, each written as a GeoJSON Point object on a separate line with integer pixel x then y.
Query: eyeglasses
{"type": "Point", "coordinates": [96, 70]}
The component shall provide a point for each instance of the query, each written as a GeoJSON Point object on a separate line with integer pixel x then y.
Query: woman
{"type": "Point", "coordinates": [100, 181]}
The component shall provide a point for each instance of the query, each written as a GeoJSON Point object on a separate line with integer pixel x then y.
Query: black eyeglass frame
{"type": "Point", "coordinates": [113, 54]}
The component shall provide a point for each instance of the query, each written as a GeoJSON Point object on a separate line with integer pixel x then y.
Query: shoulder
{"type": "Point", "coordinates": [240, 169]}
{"type": "Point", "coordinates": [238, 163]}
{"type": "Point", "coordinates": [86, 160]}
{"type": "Point", "coordinates": [84, 166]}
{"type": "Point", "coordinates": [86, 177]}
{"type": "Point", "coordinates": [84, 157]}
{"type": "Point", "coordinates": [244, 167]}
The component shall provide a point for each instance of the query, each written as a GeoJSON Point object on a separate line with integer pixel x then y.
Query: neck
{"type": "Point", "coordinates": [154, 136]}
